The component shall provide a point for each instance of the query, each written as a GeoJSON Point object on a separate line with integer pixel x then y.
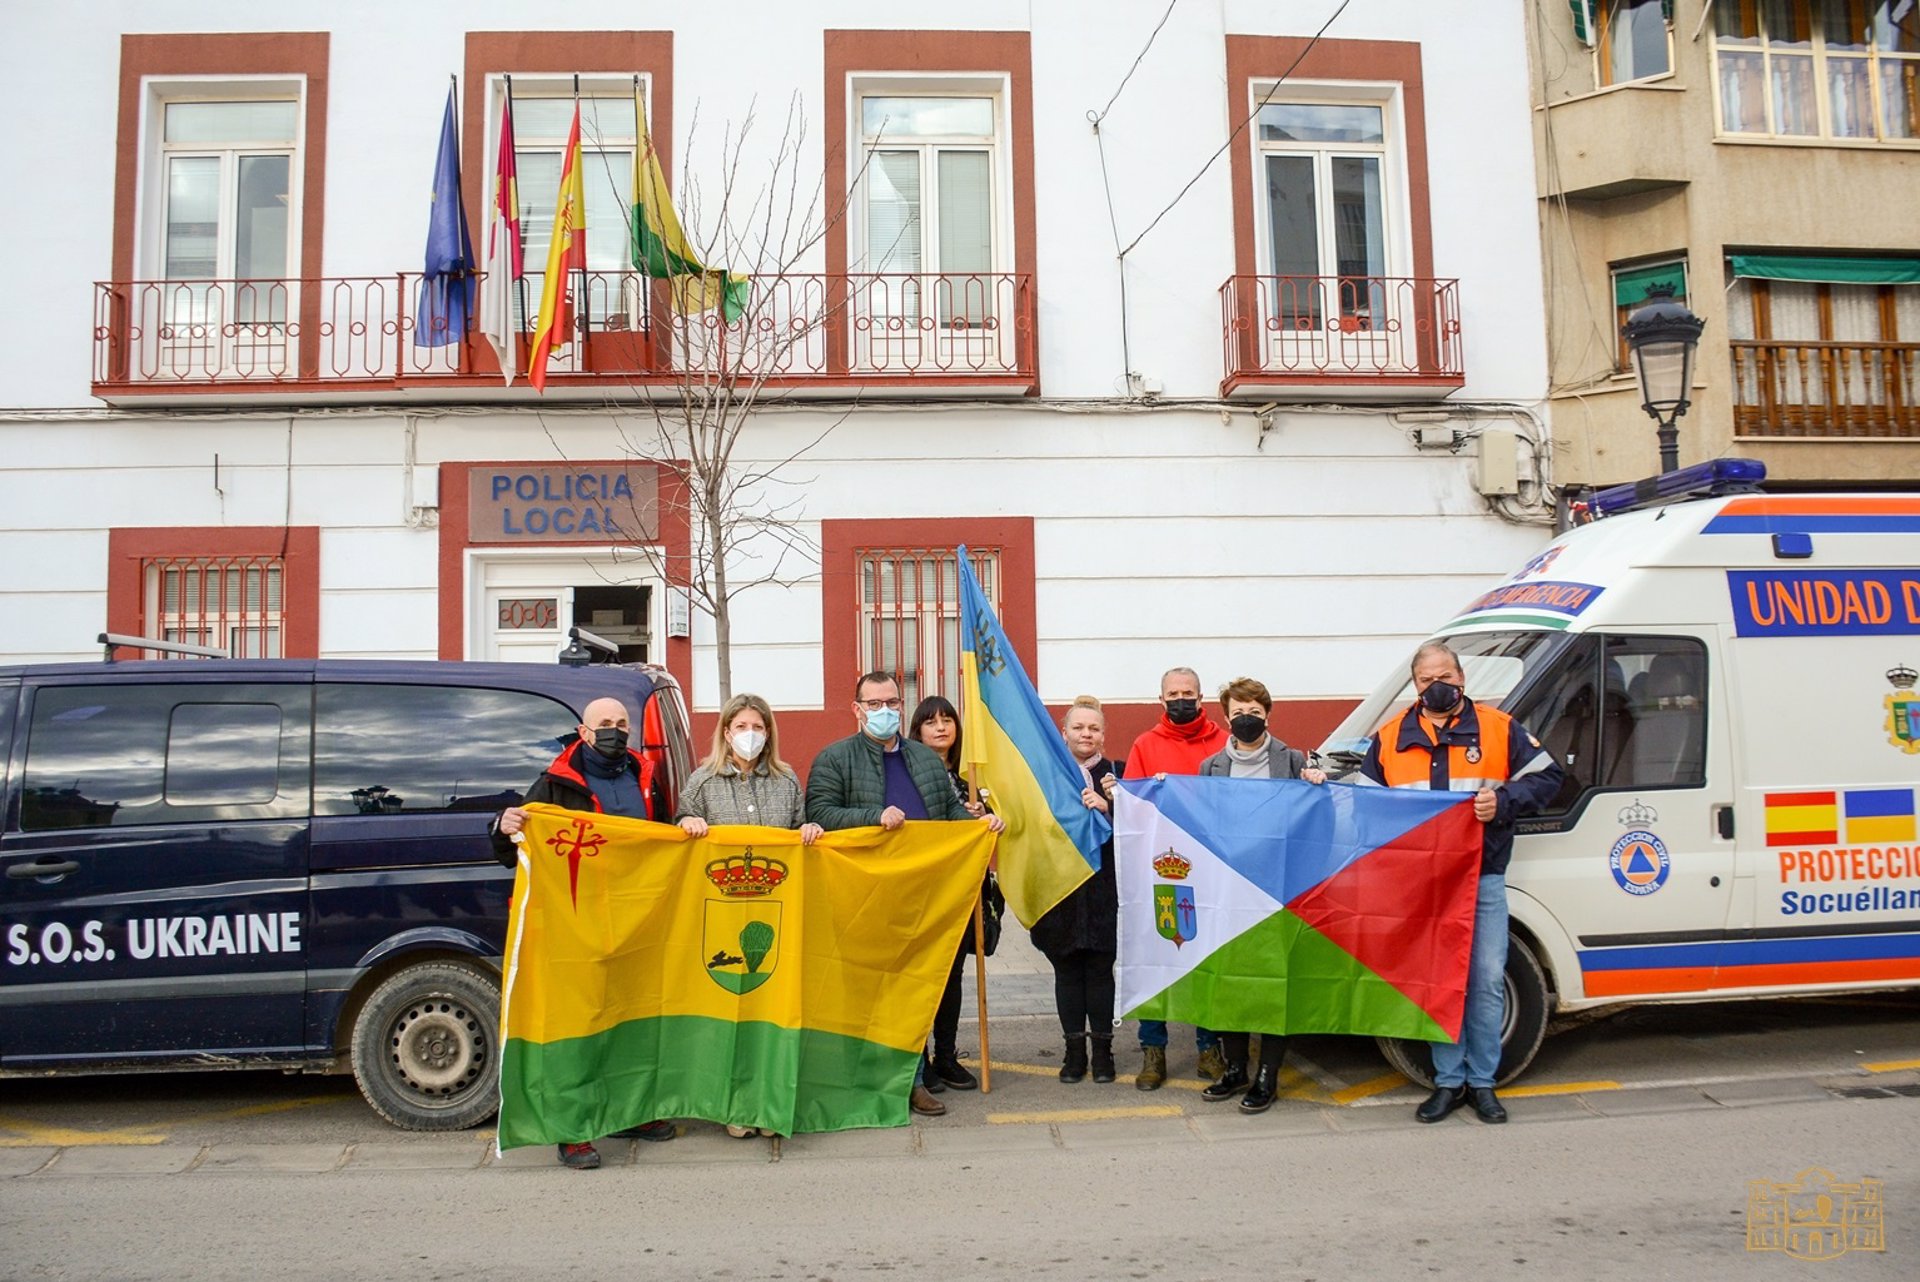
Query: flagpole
{"type": "Point", "coordinates": [980, 951]}
{"type": "Point", "coordinates": [520, 281]}
{"type": "Point", "coordinates": [466, 335]}
{"type": "Point", "coordinates": [583, 308]}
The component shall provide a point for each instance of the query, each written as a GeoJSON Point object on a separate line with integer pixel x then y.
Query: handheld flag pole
{"type": "Point", "coordinates": [980, 955]}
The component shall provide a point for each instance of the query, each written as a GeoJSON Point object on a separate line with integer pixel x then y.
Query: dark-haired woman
{"type": "Point", "coordinates": [936, 723]}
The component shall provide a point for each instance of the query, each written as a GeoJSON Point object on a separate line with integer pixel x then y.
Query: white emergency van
{"type": "Point", "coordinates": [1730, 683]}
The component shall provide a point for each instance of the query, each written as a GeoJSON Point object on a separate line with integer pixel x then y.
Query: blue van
{"type": "Point", "coordinates": [220, 863]}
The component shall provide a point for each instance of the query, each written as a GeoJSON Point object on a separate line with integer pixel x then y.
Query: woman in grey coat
{"type": "Point", "coordinates": [744, 781]}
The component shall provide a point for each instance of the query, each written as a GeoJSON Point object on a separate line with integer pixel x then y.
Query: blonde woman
{"type": "Point", "coordinates": [744, 781]}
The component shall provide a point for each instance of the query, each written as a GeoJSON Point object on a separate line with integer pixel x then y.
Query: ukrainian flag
{"type": "Point", "coordinates": [1052, 842]}
{"type": "Point", "coordinates": [1880, 814]}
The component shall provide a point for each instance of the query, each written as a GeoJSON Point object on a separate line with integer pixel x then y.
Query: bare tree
{"type": "Point", "coordinates": [726, 363]}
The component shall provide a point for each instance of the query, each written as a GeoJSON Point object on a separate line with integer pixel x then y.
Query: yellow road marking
{"type": "Point", "coordinates": [1369, 1088]}
{"type": "Point", "coordinates": [144, 1133]}
{"type": "Point", "coordinates": [33, 1134]}
{"type": "Point", "coordinates": [1891, 1065]}
{"type": "Point", "coordinates": [257, 1110]}
{"type": "Point", "coordinates": [1088, 1114]}
{"type": "Point", "coordinates": [1558, 1088]}
{"type": "Point", "coordinates": [1037, 1070]}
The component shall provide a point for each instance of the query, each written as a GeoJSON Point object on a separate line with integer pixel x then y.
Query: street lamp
{"type": "Point", "coordinates": [1662, 335]}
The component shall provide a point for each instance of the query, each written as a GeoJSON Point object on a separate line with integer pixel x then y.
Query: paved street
{"type": "Point", "coordinates": [1634, 1139]}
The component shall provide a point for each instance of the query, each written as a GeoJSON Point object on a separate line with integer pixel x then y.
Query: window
{"type": "Point", "coordinates": [226, 230]}
{"type": "Point", "coordinates": [1818, 68]}
{"type": "Point", "coordinates": [234, 603]}
{"type": "Point", "coordinates": [1630, 286]}
{"type": "Point", "coordinates": [111, 755]}
{"type": "Point", "coordinates": [253, 590]}
{"type": "Point", "coordinates": [370, 757]}
{"type": "Point", "coordinates": [1622, 713]}
{"type": "Point", "coordinates": [1824, 346]}
{"type": "Point", "coordinates": [930, 218]}
{"type": "Point", "coordinates": [1323, 170]}
{"type": "Point", "coordinates": [1633, 39]}
{"type": "Point", "coordinates": [910, 615]}
{"type": "Point", "coordinates": [542, 116]}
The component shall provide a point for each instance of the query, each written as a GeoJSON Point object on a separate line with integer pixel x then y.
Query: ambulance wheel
{"type": "Point", "coordinates": [426, 1048]}
{"type": "Point", "coordinates": [1521, 1032]}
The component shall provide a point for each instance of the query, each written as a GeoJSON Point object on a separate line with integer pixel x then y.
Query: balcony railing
{"type": "Point", "coordinates": [971, 330]}
{"type": "Point", "coordinates": [1825, 389]}
{"type": "Point", "coordinates": [1342, 335]}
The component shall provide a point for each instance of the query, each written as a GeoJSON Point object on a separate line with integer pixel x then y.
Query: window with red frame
{"type": "Point", "coordinates": [910, 614]}
{"type": "Point", "coordinates": [233, 602]}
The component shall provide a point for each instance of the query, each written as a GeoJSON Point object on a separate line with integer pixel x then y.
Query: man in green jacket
{"type": "Point", "coordinates": [878, 777]}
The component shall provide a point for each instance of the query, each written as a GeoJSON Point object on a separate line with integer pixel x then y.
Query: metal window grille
{"type": "Point", "coordinates": [910, 615]}
{"type": "Point", "coordinates": [228, 601]}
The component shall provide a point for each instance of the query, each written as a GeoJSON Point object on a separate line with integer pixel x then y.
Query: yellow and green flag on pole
{"type": "Point", "coordinates": [660, 247]}
{"type": "Point", "coordinates": [739, 977]}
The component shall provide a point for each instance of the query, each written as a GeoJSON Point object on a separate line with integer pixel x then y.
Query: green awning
{"type": "Point", "coordinates": [1826, 270]}
{"type": "Point", "coordinates": [1630, 284]}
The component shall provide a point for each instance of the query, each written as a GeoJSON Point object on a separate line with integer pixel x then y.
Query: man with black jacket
{"type": "Point", "coordinates": [599, 774]}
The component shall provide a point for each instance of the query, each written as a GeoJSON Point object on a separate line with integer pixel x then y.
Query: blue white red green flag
{"type": "Point", "coordinates": [1277, 906]}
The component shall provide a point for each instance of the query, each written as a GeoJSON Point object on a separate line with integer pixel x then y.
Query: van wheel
{"type": "Point", "coordinates": [1521, 1032]}
{"type": "Point", "coordinates": [426, 1048]}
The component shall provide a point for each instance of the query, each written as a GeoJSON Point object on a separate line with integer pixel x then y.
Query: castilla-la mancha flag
{"type": "Point", "coordinates": [1275, 906]}
{"type": "Point", "coordinates": [740, 977]}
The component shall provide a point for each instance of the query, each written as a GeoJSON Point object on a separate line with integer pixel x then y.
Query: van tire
{"type": "Point", "coordinates": [1529, 1001]}
{"type": "Point", "coordinates": [426, 1049]}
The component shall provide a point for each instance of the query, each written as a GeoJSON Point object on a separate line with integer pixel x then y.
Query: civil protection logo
{"type": "Point", "coordinates": [740, 939]}
{"type": "Point", "coordinates": [1640, 863]}
{"type": "Point", "coordinates": [1815, 1217]}
{"type": "Point", "coordinates": [1903, 709]}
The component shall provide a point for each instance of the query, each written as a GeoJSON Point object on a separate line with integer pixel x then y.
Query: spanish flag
{"type": "Point", "coordinates": [660, 247]}
{"type": "Point", "coordinates": [740, 977]}
{"type": "Point", "coordinates": [1052, 842]}
{"type": "Point", "coordinates": [566, 254]}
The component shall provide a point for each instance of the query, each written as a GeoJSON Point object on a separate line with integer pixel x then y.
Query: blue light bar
{"type": "Point", "coordinates": [1719, 476]}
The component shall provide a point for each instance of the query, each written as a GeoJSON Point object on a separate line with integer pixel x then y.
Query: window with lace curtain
{"type": "Point", "coordinates": [1818, 68]}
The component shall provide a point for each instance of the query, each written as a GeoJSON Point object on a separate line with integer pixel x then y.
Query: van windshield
{"type": "Point", "coordinates": [1495, 664]}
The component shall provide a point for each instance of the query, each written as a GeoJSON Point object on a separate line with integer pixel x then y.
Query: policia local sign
{"type": "Point", "coordinates": [518, 504]}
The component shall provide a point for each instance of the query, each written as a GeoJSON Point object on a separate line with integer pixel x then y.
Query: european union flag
{"type": "Point", "coordinates": [447, 289]}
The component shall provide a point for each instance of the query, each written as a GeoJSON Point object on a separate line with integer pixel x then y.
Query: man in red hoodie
{"type": "Point", "coordinates": [1176, 744]}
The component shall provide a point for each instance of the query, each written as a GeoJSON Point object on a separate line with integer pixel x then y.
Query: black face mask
{"type": "Point", "coordinates": [610, 741]}
{"type": "Point", "coordinates": [1249, 727]}
{"type": "Point", "coordinates": [1441, 697]}
{"type": "Point", "coordinates": [1183, 711]}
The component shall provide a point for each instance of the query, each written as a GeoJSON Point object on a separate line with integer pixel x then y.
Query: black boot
{"type": "Point", "coordinates": [1232, 1081]}
{"type": "Point", "coordinates": [1103, 1070]}
{"type": "Point", "coordinates": [1260, 1094]}
{"type": "Point", "coordinates": [1076, 1066]}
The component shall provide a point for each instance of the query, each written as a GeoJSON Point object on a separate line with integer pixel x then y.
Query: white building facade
{"type": "Point", "coordinates": [1290, 430]}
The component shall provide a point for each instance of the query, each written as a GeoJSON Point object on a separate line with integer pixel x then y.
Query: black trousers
{"type": "Point", "coordinates": [1083, 992]}
{"type": "Point", "coordinates": [1273, 1049]}
{"type": "Point", "coordinates": [946, 1017]}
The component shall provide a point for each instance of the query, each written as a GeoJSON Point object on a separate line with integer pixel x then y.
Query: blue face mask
{"type": "Point", "coordinates": [883, 723]}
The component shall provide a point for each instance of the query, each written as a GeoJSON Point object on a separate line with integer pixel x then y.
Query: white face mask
{"type": "Point", "coordinates": [747, 743]}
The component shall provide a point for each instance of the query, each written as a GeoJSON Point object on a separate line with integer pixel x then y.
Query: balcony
{"type": "Point", "coordinates": [1337, 338]}
{"type": "Point", "coordinates": [352, 338]}
{"type": "Point", "coordinates": [1826, 390]}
